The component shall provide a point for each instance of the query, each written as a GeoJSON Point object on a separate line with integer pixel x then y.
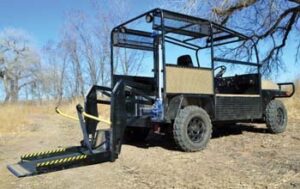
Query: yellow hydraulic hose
{"type": "Point", "coordinates": [65, 115]}
{"type": "Point", "coordinates": [96, 118]}
{"type": "Point", "coordinates": [85, 115]}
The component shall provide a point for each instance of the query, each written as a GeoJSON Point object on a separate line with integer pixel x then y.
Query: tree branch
{"type": "Point", "coordinates": [295, 1]}
{"type": "Point", "coordinates": [278, 21]}
{"type": "Point", "coordinates": [277, 48]}
{"type": "Point", "coordinates": [229, 11]}
{"type": "Point", "coordinates": [25, 84]}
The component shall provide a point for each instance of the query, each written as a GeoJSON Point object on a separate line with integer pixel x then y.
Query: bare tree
{"type": "Point", "coordinates": [87, 40]}
{"type": "Point", "coordinates": [54, 74]}
{"type": "Point", "coordinates": [19, 63]}
{"type": "Point", "coordinates": [109, 16]}
{"type": "Point", "coordinates": [72, 47]}
{"type": "Point", "coordinates": [269, 23]}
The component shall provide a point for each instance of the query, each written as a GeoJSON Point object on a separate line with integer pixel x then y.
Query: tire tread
{"type": "Point", "coordinates": [271, 112]}
{"type": "Point", "coordinates": [180, 121]}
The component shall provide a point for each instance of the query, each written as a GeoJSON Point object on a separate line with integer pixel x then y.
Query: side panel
{"type": "Point", "coordinates": [229, 108]}
{"type": "Point", "coordinates": [188, 80]}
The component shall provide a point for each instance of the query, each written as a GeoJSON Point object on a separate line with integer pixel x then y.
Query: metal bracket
{"type": "Point", "coordinates": [83, 128]}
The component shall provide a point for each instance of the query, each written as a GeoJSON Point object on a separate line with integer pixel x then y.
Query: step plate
{"type": "Point", "coordinates": [35, 166]}
{"type": "Point", "coordinates": [20, 170]}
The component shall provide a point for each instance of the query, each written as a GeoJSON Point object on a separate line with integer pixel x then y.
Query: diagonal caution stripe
{"type": "Point", "coordinates": [37, 154]}
{"type": "Point", "coordinates": [62, 161]}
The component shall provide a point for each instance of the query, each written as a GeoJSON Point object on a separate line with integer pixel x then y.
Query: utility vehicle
{"type": "Point", "coordinates": [183, 94]}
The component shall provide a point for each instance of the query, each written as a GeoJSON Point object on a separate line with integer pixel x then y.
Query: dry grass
{"type": "Point", "coordinates": [15, 117]}
{"type": "Point", "coordinates": [293, 103]}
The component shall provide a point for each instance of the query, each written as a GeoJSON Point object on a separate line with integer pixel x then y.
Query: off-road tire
{"type": "Point", "coordinates": [135, 134]}
{"type": "Point", "coordinates": [276, 117]}
{"type": "Point", "coordinates": [182, 129]}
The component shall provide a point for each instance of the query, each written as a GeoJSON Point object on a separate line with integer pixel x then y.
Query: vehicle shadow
{"type": "Point", "coordinates": [236, 129]}
{"type": "Point", "coordinates": [156, 140]}
{"type": "Point", "coordinates": [167, 141]}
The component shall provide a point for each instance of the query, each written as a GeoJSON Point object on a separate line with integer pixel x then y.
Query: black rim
{"type": "Point", "coordinates": [280, 116]}
{"type": "Point", "coordinates": [196, 129]}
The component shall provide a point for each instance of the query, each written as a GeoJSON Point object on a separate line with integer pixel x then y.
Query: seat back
{"type": "Point", "coordinates": [185, 61]}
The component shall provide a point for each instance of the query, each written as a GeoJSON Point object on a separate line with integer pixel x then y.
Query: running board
{"type": "Point", "coordinates": [54, 160]}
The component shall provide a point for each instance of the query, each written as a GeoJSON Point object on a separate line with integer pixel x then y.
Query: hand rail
{"type": "Point", "coordinates": [287, 95]}
{"type": "Point", "coordinates": [236, 62]}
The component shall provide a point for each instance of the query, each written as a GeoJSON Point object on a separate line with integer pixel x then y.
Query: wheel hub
{"type": "Point", "coordinates": [280, 116]}
{"type": "Point", "coordinates": [195, 129]}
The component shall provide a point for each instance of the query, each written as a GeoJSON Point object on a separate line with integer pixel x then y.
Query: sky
{"type": "Point", "coordinates": [41, 19]}
{"type": "Point", "coordinates": [44, 19]}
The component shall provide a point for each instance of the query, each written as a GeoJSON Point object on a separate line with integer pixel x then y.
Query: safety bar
{"type": "Point", "coordinates": [86, 115]}
{"type": "Point", "coordinates": [286, 95]}
{"type": "Point", "coordinates": [236, 62]}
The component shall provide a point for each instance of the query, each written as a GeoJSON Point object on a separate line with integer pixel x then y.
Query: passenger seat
{"type": "Point", "coordinates": [185, 61]}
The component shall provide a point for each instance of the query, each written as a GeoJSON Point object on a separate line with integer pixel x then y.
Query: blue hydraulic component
{"type": "Point", "coordinates": [157, 110]}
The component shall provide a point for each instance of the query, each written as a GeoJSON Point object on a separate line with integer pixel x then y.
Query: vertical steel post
{"type": "Point", "coordinates": [83, 128]}
{"type": "Point", "coordinates": [163, 59]}
{"type": "Point", "coordinates": [213, 64]}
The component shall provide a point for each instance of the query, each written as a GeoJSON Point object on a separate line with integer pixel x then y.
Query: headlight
{"type": "Point", "coordinates": [149, 18]}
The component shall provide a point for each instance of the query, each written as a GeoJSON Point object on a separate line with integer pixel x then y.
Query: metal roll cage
{"type": "Point", "coordinates": [216, 35]}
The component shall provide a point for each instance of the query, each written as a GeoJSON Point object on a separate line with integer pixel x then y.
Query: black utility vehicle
{"type": "Point", "coordinates": [183, 96]}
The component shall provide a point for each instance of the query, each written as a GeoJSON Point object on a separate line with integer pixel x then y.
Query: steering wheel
{"type": "Point", "coordinates": [221, 72]}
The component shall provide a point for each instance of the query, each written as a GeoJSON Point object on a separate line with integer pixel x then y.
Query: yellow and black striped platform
{"type": "Point", "coordinates": [61, 161]}
{"type": "Point", "coordinates": [42, 154]}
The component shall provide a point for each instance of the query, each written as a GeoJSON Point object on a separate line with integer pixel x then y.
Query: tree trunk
{"type": "Point", "coordinates": [14, 90]}
{"type": "Point", "coordinates": [7, 97]}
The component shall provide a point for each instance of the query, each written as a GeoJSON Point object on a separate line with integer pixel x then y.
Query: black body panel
{"type": "Point", "coordinates": [239, 84]}
{"type": "Point", "coordinates": [229, 108]}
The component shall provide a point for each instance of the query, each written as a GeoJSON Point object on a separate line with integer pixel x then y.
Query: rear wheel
{"type": "Point", "coordinates": [192, 129]}
{"type": "Point", "coordinates": [276, 116]}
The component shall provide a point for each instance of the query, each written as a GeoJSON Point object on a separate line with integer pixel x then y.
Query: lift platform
{"type": "Point", "coordinates": [97, 146]}
{"type": "Point", "coordinates": [41, 162]}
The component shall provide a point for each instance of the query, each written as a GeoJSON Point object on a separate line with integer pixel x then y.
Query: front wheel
{"type": "Point", "coordinates": [276, 116]}
{"type": "Point", "coordinates": [192, 129]}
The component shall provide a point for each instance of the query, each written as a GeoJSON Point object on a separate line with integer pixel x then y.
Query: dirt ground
{"type": "Point", "coordinates": [243, 156]}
